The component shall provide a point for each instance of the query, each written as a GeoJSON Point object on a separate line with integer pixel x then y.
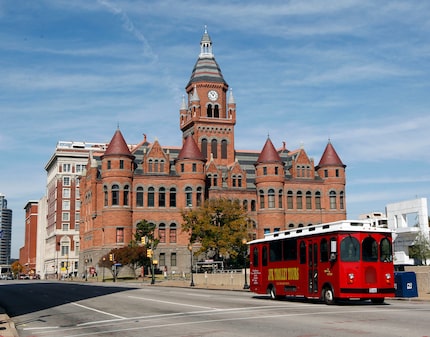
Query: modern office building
{"type": "Point", "coordinates": [59, 210]}
{"type": "Point", "coordinates": [5, 232]}
{"type": "Point", "coordinates": [123, 184]}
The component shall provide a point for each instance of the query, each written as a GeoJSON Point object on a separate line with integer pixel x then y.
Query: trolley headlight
{"type": "Point", "coordinates": [388, 277]}
{"type": "Point", "coordinates": [351, 277]}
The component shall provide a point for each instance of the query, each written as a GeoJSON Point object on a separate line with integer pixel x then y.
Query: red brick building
{"type": "Point", "coordinates": [279, 188]}
{"type": "Point", "coordinates": [27, 253]}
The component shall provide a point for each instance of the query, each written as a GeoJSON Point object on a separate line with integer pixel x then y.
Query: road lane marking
{"type": "Point", "coordinates": [175, 303]}
{"type": "Point", "coordinates": [99, 311]}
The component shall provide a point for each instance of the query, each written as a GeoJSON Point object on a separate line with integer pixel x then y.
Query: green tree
{"type": "Point", "coordinates": [146, 231]}
{"type": "Point", "coordinates": [420, 250]}
{"type": "Point", "coordinates": [220, 227]}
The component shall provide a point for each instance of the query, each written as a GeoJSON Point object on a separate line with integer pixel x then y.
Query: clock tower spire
{"type": "Point", "coordinates": [210, 115]}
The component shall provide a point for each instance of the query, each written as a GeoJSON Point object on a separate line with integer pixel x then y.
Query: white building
{"type": "Point", "coordinates": [407, 219]}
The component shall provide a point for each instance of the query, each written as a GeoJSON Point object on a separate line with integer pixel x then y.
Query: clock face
{"type": "Point", "coordinates": [212, 95]}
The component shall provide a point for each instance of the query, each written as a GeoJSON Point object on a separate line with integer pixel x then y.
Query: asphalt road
{"type": "Point", "coordinates": [62, 309]}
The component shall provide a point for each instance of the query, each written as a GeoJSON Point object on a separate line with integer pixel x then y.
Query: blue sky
{"type": "Point", "coordinates": [356, 72]}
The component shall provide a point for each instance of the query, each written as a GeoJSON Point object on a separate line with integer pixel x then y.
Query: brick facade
{"type": "Point", "coordinates": [125, 184]}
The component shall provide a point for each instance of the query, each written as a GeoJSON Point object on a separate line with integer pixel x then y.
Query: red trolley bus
{"type": "Point", "coordinates": [331, 261]}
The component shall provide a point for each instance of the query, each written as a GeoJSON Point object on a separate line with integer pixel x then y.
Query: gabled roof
{"type": "Point", "coordinates": [269, 154]}
{"type": "Point", "coordinates": [190, 150]}
{"type": "Point", "coordinates": [117, 146]}
{"type": "Point", "coordinates": [330, 157]}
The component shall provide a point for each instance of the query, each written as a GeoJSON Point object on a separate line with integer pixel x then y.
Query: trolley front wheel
{"type": "Point", "coordinates": [328, 296]}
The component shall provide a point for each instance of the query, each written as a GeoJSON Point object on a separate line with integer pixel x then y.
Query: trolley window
{"type": "Point", "coordinates": [290, 249]}
{"type": "Point", "coordinates": [275, 251]}
{"type": "Point", "coordinates": [386, 250]}
{"type": "Point", "coordinates": [324, 250]}
{"type": "Point", "coordinates": [302, 252]}
{"type": "Point", "coordinates": [350, 249]}
{"type": "Point", "coordinates": [264, 256]}
{"type": "Point", "coordinates": [255, 257]}
{"type": "Point", "coordinates": [370, 249]}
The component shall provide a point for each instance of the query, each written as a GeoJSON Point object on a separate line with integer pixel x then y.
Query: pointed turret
{"type": "Point", "coordinates": [269, 154]}
{"type": "Point", "coordinates": [190, 150]}
{"type": "Point", "coordinates": [118, 146]}
{"type": "Point", "coordinates": [330, 157]}
{"type": "Point", "coordinates": [231, 97]}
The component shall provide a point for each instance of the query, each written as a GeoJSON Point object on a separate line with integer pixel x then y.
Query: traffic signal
{"type": "Point", "coordinates": [110, 257]}
{"type": "Point", "coordinates": [149, 253]}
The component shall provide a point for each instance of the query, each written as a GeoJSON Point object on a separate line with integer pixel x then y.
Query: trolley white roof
{"type": "Point", "coordinates": [337, 226]}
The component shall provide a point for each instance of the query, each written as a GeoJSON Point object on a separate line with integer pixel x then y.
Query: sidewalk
{"type": "Point", "coordinates": [7, 327]}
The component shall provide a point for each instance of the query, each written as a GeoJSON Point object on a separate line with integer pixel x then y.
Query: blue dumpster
{"type": "Point", "coordinates": [405, 284]}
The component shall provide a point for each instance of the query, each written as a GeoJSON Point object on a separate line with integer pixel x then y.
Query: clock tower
{"type": "Point", "coordinates": [208, 112]}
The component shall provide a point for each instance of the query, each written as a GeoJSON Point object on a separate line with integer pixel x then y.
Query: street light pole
{"type": "Point", "coordinates": [86, 270]}
{"type": "Point", "coordinates": [190, 248]}
{"type": "Point", "coordinates": [152, 263]}
{"type": "Point", "coordinates": [103, 272]}
{"type": "Point", "coordinates": [245, 285]}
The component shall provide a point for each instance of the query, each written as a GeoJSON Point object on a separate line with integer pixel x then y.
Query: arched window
{"type": "Point", "coordinates": [156, 165]}
{"type": "Point", "coordinates": [139, 196]}
{"type": "Point", "coordinates": [162, 233]}
{"type": "Point", "coordinates": [162, 165]}
{"type": "Point", "coordinates": [239, 181]}
{"type": "Point", "coordinates": [271, 198]}
{"type": "Point", "coordinates": [233, 180]}
{"type": "Point", "coordinates": [290, 199]}
{"type": "Point", "coordinates": [209, 110]}
{"type": "Point", "coordinates": [172, 197]}
{"type": "Point", "coordinates": [150, 165]}
{"type": "Point", "coordinates": [188, 197]}
{"type": "Point", "coordinates": [386, 250]}
{"type": "Point", "coordinates": [280, 199]}
{"type": "Point", "coordinates": [245, 204]}
{"type": "Point", "coordinates": [370, 249]}
{"type": "Point", "coordinates": [299, 200]}
{"type": "Point", "coordinates": [324, 250]}
{"type": "Point", "coordinates": [214, 148]}
{"type": "Point", "coordinates": [318, 200]}
{"type": "Point", "coordinates": [172, 233]}
{"type": "Point", "coordinates": [199, 196]}
{"type": "Point", "coordinates": [216, 111]}
{"type": "Point", "coordinates": [350, 249]}
{"type": "Point", "coordinates": [105, 191]}
{"type": "Point", "coordinates": [341, 200]}
{"type": "Point", "coordinates": [262, 199]}
{"type": "Point", "coordinates": [308, 200]}
{"type": "Point", "coordinates": [115, 195]}
{"type": "Point", "coordinates": [224, 149]}
{"type": "Point", "coordinates": [151, 197]}
{"type": "Point", "coordinates": [126, 194]}
{"type": "Point", "coordinates": [162, 197]}
{"type": "Point", "coordinates": [253, 206]}
{"type": "Point", "coordinates": [215, 180]}
{"type": "Point", "coordinates": [255, 257]}
{"type": "Point", "coordinates": [205, 148]}
{"type": "Point", "coordinates": [332, 200]}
